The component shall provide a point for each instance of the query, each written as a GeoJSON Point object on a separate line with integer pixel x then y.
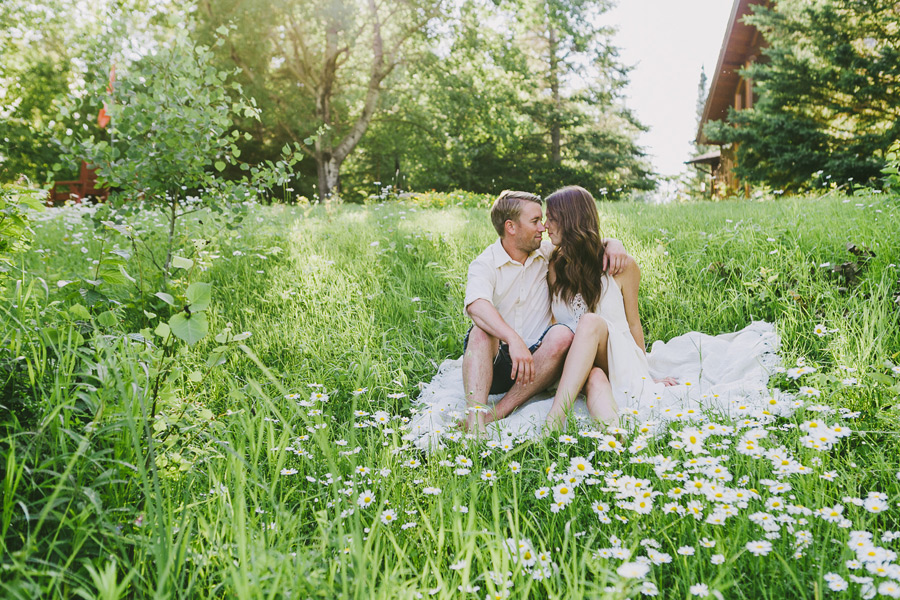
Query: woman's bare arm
{"type": "Point", "coordinates": [629, 281]}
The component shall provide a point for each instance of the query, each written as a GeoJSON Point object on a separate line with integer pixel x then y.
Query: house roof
{"type": "Point", "coordinates": [741, 42]}
{"type": "Point", "coordinates": [710, 158]}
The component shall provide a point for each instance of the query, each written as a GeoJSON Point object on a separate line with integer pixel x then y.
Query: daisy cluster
{"type": "Point", "coordinates": [624, 476]}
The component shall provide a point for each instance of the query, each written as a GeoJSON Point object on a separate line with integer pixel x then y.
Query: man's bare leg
{"type": "Point", "coordinates": [478, 371]}
{"type": "Point", "coordinates": [548, 363]}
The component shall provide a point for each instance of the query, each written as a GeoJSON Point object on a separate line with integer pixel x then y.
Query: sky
{"type": "Point", "coordinates": [667, 42]}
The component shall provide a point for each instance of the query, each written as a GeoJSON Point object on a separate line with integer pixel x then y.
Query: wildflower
{"type": "Point", "coordinates": [600, 508]}
{"type": "Point", "coordinates": [289, 471]}
{"type": "Point", "coordinates": [809, 392]}
{"type": "Point", "coordinates": [633, 570]}
{"type": "Point", "coordinates": [701, 590]}
{"type": "Point", "coordinates": [431, 491]}
{"type": "Point", "coordinates": [359, 391]}
{"type": "Point", "coordinates": [890, 589]}
{"type": "Point", "coordinates": [408, 525]}
{"type": "Point", "coordinates": [567, 439]}
{"type": "Point", "coordinates": [541, 492]}
{"type": "Point", "coordinates": [366, 499]}
{"type": "Point", "coordinates": [608, 443]}
{"type": "Point", "coordinates": [487, 475]}
{"type": "Point", "coordinates": [820, 330]}
{"type": "Point", "coordinates": [514, 467]}
{"type": "Point", "coordinates": [318, 397]}
{"type": "Point", "coordinates": [686, 551]}
{"type": "Point", "coordinates": [563, 493]}
{"type": "Point", "coordinates": [875, 505]}
{"type": "Point", "coordinates": [389, 516]}
{"type": "Point", "coordinates": [580, 466]}
{"type": "Point", "coordinates": [759, 547]}
{"type": "Point", "coordinates": [648, 588]}
{"type": "Point", "coordinates": [717, 559]}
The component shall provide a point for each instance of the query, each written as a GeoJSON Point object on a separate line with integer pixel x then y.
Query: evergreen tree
{"type": "Point", "coordinates": [829, 94]}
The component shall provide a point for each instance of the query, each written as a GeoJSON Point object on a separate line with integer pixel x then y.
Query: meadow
{"type": "Point", "coordinates": [270, 458]}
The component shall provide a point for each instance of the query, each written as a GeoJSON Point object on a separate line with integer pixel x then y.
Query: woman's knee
{"type": "Point", "coordinates": [597, 378]}
{"type": "Point", "coordinates": [593, 324]}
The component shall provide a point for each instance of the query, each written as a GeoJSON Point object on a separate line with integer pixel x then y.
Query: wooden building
{"type": "Point", "coordinates": [740, 48]}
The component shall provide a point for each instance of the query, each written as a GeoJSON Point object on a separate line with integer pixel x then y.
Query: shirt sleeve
{"type": "Point", "coordinates": [481, 282]}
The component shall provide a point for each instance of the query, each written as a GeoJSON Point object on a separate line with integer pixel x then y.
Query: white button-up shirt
{"type": "Point", "coordinates": [518, 291]}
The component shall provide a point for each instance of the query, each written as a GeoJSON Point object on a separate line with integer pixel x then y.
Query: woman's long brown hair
{"type": "Point", "coordinates": [578, 260]}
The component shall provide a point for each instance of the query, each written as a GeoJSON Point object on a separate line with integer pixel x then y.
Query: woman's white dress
{"type": "Point", "coordinates": [723, 374]}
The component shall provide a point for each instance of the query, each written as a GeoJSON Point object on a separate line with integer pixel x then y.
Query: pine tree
{"type": "Point", "coordinates": [829, 94]}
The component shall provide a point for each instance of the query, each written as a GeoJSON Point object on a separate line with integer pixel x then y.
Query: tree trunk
{"type": "Point", "coordinates": [328, 168]}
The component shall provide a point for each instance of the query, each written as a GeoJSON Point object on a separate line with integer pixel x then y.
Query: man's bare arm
{"type": "Point", "coordinates": [615, 258]}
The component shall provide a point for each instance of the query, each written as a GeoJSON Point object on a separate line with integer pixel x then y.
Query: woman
{"type": "Point", "coordinates": [607, 352]}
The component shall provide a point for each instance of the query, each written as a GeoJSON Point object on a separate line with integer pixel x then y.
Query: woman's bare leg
{"type": "Point", "coordinates": [600, 402]}
{"type": "Point", "coordinates": [588, 348]}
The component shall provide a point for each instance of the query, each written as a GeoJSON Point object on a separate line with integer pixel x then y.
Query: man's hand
{"type": "Point", "coordinates": [522, 361]}
{"type": "Point", "coordinates": [614, 257]}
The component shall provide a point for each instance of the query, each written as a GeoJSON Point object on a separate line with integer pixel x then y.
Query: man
{"type": "Point", "coordinates": [512, 347]}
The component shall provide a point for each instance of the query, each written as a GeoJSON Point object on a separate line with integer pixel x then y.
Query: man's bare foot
{"type": "Point", "coordinates": [476, 420]}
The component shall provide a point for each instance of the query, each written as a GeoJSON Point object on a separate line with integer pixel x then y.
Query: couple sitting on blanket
{"type": "Point", "coordinates": [564, 309]}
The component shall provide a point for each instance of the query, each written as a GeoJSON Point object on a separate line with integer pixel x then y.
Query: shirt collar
{"type": "Point", "coordinates": [501, 257]}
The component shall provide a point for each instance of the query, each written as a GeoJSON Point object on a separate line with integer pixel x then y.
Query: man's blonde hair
{"type": "Point", "coordinates": [508, 207]}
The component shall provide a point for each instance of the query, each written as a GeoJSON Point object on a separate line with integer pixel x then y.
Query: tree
{"type": "Point", "coordinates": [172, 129]}
{"type": "Point", "coordinates": [38, 64]}
{"type": "Point", "coordinates": [324, 65]}
{"type": "Point", "coordinates": [480, 112]}
{"type": "Point", "coordinates": [829, 90]}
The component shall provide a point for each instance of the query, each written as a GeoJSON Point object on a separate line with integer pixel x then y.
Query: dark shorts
{"type": "Point", "coordinates": [502, 380]}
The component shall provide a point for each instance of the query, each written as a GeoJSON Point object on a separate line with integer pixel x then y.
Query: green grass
{"type": "Point", "coordinates": [244, 486]}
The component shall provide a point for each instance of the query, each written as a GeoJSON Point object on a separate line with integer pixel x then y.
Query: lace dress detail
{"type": "Point", "coordinates": [579, 307]}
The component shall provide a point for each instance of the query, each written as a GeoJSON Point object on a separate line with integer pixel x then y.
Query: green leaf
{"type": "Point", "coordinates": [222, 30]}
{"type": "Point", "coordinates": [195, 376]}
{"type": "Point", "coordinates": [149, 315]}
{"type": "Point", "coordinates": [217, 357]}
{"type": "Point", "coordinates": [162, 330]}
{"type": "Point", "coordinates": [126, 275]}
{"type": "Point", "coordinates": [167, 298]}
{"type": "Point", "coordinates": [220, 166]}
{"type": "Point", "coordinates": [80, 312]}
{"type": "Point", "coordinates": [199, 295]}
{"type": "Point", "coordinates": [182, 263]}
{"type": "Point", "coordinates": [190, 329]}
{"type": "Point", "coordinates": [107, 319]}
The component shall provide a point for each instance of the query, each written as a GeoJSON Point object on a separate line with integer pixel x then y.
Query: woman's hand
{"type": "Point", "coordinates": [667, 381]}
